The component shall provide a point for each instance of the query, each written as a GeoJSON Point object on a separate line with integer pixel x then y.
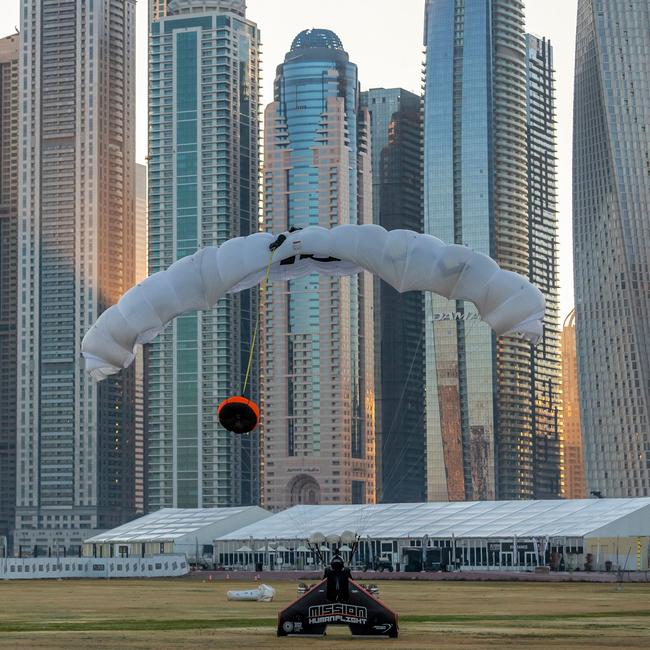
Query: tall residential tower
{"type": "Point", "coordinates": [203, 190]}
{"type": "Point", "coordinates": [543, 267]}
{"type": "Point", "coordinates": [76, 439]}
{"type": "Point", "coordinates": [140, 265]}
{"type": "Point", "coordinates": [317, 339]}
{"type": "Point", "coordinates": [484, 431]}
{"type": "Point", "coordinates": [396, 139]}
{"type": "Point", "coordinates": [611, 239]}
{"type": "Point", "coordinates": [9, 131]}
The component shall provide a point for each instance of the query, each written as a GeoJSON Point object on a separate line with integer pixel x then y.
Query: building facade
{"type": "Point", "coordinates": [543, 264]}
{"type": "Point", "coordinates": [9, 106]}
{"type": "Point", "coordinates": [611, 239]}
{"type": "Point", "coordinates": [141, 251]}
{"type": "Point", "coordinates": [141, 228]}
{"type": "Point", "coordinates": [396, 139]}
{"type": "Point", "coordinates": [203, 190]}
{"type": "Point", "coordinates": [481, 422]}
{"type": "Point", "coordinates": [158, 9]}
{"type": "Point", "coordinates": [317, 398]}
{"type": "Point", "coordinates": [574, 472]}
{"type": "Point", "coordinates": [76, 439]}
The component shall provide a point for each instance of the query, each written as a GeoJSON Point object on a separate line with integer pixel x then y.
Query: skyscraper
{"type": "Point", "coordinates": [396, 131]}
{"type": "Point", "coordinates": [9, 90]}
{"type": "Point", "coordinates": [203, 190]}
{"type": "Point", "coordinates": [75, 451]}
{"type": "Point", "coordinates": [611, 239]}
{"type": "Point", "coordinates": [546, 400]}
{"type": "Point", "coordinates": [141, 229]}
{"type": "Point", "coordinates": [140, 274]}
{"type": "Point", "coordinates": [574, 473]}
{"type": "Point", "coordinates": [482, 426]}
{"type": "Point", "coordinates": [317, 339]}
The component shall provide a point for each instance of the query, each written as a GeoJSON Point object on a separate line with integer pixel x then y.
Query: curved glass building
{"type": "Point", "coordinates": [317, 367]}
{"type": "Point", "coordinates": [611, 239]}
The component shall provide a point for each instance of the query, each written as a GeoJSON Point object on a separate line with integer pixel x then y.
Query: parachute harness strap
{"type": "Point", "coordinates": [257, 322]}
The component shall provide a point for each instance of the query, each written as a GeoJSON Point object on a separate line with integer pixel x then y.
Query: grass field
{"type": "Point", "coordinates": [191, 614]}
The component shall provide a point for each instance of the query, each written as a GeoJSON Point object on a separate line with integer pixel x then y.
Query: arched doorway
{"type": "Point", "coordinates": [304, 490]}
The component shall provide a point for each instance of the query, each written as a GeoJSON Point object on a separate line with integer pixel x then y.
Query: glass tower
{"type": "Point", "coordinates": [611, 239]}
{"type": "Point", "coordinates": [203, 190]}
{"type": "Point", "coordinates": [481, 421]}
{"type": "Point", "coordinates": [546, 380]}
{"type": "Point", "coordinates": [76, 439]}
{"type": "Point", "coordinates": [317, 339]}
{"type": "Point", "coordinates": [396, 139]}
{"type": "Point", "coordinates": [9, 48]}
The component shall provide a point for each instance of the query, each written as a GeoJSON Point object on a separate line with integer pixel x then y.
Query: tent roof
{"type": "Point", "coordinates": [171, 524]}
{"type": "Point", "coordinates": [475, 519]}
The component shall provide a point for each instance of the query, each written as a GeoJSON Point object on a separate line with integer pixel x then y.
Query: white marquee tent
{"type": "Point", "coordinates": [172, 530]}
{"type": "Point", "coordinates": [478, 533]}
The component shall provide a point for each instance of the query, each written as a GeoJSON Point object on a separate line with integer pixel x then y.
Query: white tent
{"type": "Point", "coordinates": [479, 535]}
{"type": "Point", "coordinates": [172, 530]}
{"type": "Point", "coordinates": [464, 519]}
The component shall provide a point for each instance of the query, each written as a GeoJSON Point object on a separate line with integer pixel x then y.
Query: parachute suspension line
{"type": "Point", "coordinates": [472, 325]}
{"type": "Point", "coordinates": [406, 471]}
{"type": "Point", "coordinates": [390, 433]}
{"type": "Point", "coordinates": [257, 323]}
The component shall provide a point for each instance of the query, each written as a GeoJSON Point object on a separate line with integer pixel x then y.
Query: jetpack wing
{"type": "Point", "coordinates": [311, 613]}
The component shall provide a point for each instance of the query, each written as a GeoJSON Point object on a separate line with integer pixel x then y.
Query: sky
{"type": "Point", "coordinates": [384, 39]}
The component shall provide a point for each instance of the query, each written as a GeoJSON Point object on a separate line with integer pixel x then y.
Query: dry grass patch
{"type": "Point", "coordinates": [190, 614]}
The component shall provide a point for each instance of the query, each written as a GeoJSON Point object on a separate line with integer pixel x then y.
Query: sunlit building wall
{"type": "Point", "coordinates": [76, 438]}
{"type": "Point", "coordinates": [611, 240]}
{"type": "Point", "coordinates": [574, 473]}
{"type": "Point", "coordinates": [204, 71]}
{"type": "Point", "coordinates": [317, 398]}
{"type": "Point", "coordinates": [141, 229]}
{"type": "Point", "coordinates": [9, 130]}
{"type": "Point", "coordinates": [158, 9]}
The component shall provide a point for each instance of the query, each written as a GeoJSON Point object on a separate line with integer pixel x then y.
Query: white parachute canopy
{"type": "Point", "coordinates": [408, 261]}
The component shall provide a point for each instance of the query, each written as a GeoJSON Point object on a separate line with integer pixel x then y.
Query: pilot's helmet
{"type": "Point", "coordinates": [337, 562]}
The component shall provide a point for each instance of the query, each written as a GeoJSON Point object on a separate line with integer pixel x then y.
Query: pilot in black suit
{"type": "Point", "coordinates": [338, 580]}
